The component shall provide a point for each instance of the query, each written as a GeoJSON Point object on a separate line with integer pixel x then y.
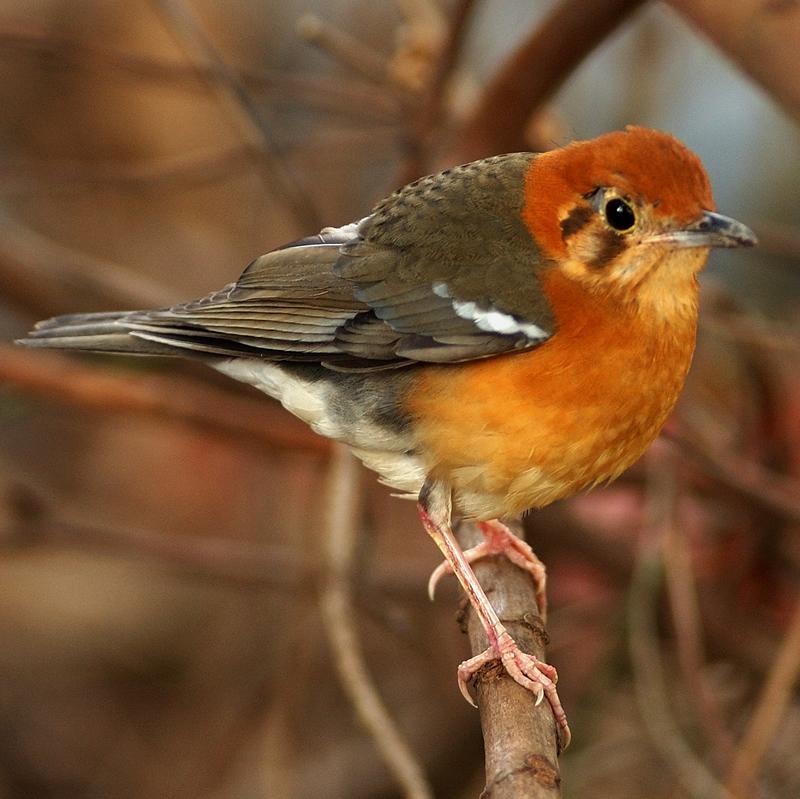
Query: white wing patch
{"type": "Point", "coordinates": [491, 320]}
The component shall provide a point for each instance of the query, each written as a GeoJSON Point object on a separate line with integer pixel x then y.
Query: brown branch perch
{"type": "Point", "coordinates": [520, 739]}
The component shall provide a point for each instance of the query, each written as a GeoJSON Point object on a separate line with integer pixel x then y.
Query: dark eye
{"type": "Point", "coordinates": [619, 214]}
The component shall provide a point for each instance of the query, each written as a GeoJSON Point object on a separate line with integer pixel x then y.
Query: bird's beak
{"type": "Point", "coordinates": [710, 230]}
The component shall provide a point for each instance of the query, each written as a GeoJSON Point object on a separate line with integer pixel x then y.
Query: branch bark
{"type": "Point", "coordinates": [520, 739]}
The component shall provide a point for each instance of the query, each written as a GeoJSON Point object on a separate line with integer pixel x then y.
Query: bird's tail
{"type": "Point", "coordinates": [95, 332]}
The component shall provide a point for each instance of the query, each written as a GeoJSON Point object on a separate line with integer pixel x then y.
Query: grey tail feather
{"type": "Point", "coordinates": [94, 332]}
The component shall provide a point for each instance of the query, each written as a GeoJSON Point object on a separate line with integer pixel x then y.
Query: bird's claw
{"type": "Point", "coordinates": [527, 670]}
{"type": "Point", "coordinates": [436, 575]}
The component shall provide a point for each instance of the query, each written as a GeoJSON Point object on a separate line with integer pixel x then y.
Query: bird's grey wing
{"type": "Point", "coordinates": [448, 263]}
{"type": "Point", "coordinates": [287, 305]}
{"type": "Point", "coordinates": [443, 271]}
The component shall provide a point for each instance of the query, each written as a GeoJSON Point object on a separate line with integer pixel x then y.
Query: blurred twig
{"type": "Point", "coordinates": [771, 706]}
{"type": "Point", "coordinates": [520, 739]}
{"type": "Point", "coordinates": [61, 379]}
{"type": "Point", "coordinates": [762, 36]}
{"type": "Point", "coordinates": [344, 47]}
{"type": "Point", "coordinates": [241, 108]}
{"type": "Point", "coordinates": [232, 561]}
{"type": "Point", "coordinates": [686, 620]}
{"type": "Point", "coordinates": [535, 71]}
{"type": "Point", "coordinates": [775, 491]}
{"type": "Point", "coordinates": [336, 604]}
{"type": "Point", "coordinates": [429, 120]}
{"type": "Point", "coordinates": [71, 176]}
{"type": "Point", "coordinates": [649, 676]}
{"type": "Point", "coordinates": [43, 277]}
{"type": "Point", "coordinates": [346, 98]}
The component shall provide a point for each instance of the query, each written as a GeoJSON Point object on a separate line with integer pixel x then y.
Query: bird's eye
{"type": "Point", "coordinates": [619, 215]}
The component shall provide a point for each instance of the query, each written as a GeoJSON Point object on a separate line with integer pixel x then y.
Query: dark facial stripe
{"type": "Point", "coordinates": [611, 245]}
{"type": "Point", "coordinates": [577, 219]}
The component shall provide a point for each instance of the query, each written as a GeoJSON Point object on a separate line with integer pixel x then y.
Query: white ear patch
{"type": "Point", "coordinates": [491, 319]}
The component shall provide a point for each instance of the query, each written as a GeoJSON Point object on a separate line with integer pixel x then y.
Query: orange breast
{"type": "Point", "coordinates": [522, 430]}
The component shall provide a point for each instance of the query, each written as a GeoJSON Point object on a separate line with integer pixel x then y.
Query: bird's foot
{"type": "Point", "coordinates": [527, 670]}
{"type": "Point", "coordinates": [501, 540]}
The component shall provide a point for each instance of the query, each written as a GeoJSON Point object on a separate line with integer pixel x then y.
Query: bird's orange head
{"type": "Point", "coordinates": [630, 213]}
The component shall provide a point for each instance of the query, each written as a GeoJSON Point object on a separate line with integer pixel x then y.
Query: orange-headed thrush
{"type": "Point", "coordinates": [489, 339]}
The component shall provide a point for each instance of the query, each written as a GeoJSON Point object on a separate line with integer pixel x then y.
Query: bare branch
{"type": "Point", "coordinates": [686, 620]}
{"type": "Point", "coordinates": [44, 277]}
{"type": "Point", "coordinates": [344, 48]}
{"type": "Point", "coordinates": [430, 117]}
{"type": "Point", "coordinates": [52, 176]}
{"type": "Point", "coordinates": [772, 490]}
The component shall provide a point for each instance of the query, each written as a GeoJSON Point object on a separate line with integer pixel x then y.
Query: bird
{"type": "Point", "coordinates": [489, 339]}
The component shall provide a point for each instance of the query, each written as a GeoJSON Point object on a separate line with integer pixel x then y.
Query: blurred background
{"type": "Point", "coordinates": [163, 568]}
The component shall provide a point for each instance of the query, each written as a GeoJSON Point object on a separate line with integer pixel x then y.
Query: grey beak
{"type": "Point", "coordinates": [710, 230]}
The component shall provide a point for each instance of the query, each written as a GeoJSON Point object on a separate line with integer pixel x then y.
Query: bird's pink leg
{"type": "Point", "coordinates": [501, 540]}
{"type": "Point", "coordinates": [525, 669]}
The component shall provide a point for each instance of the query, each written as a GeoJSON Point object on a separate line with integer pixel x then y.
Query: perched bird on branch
{"type": "Point", "coordinates": [489, 339]}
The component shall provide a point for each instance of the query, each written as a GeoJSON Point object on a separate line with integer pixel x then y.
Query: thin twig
{"type": "Point", "coordinates": [44, 277]}
{"type": "Point", "coordinates": [48, 175]}
{"type": "Point", "coordinates": [429, 120]}
{"type": "Point", "coordinates": [775, 491]}
{"type": "Point", "coordinates": [336, 604]}
{"type": "Point", "coordinates": [520, 739]}
{"type": "Point", "coordinates": [771, 706]}
{"type": "Point", "coordinates": [682, 594]}
{"type": "Point", "coordinates": [649, 677]}
{"type": "Point", "coordinates": [345, 98]}
{"type": "Point", "coordinates": [535, 71]}
{"type": "Point", "coordinates": [241, 108]}
{"type": "Point", "coordinates": [344, 48]}
{"type": "Point", "coordinates": [240, 563]}
{"type": "Point", "coordinates": [35, 515]}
